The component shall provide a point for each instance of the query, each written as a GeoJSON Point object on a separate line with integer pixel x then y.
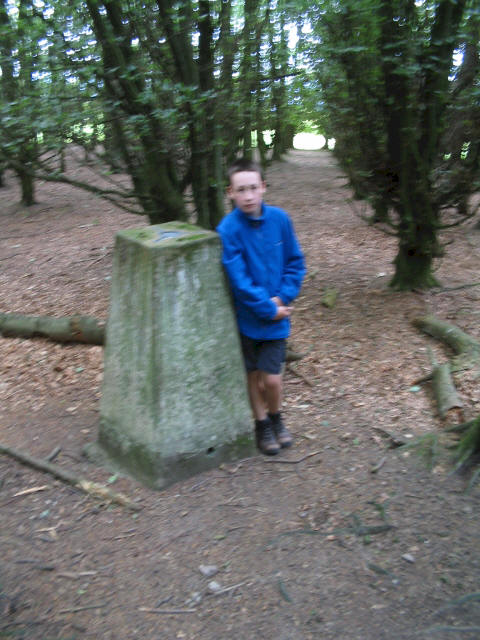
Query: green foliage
{"type": "Point", "coordinates": [469, 444]}
{"type": "Point", "coordinates": [426, 446]}
{"type": "Point", "coordinates": [385, 71]}
{"type": "Point", "coordinates": [166, 93]}
{"type": "Point", "coordinates": [171, 93]}
{"type": "Point", "coordinates": [431, 447]}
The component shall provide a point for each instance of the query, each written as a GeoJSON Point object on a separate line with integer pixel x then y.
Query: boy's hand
{"type": "Point", "coordinates": [282, 310]}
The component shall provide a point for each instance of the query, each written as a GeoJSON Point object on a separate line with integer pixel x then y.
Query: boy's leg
{"type": "Point", "coordinates": [264, 361]}
{"type": "Point", "coordinates": [265, 391]}
{"type": "Point", "coordinates": [273, 384]}
{"type": "Point", "coordinates": [265, 436]}
{"type": "Point", "coordinates": [257, 394]}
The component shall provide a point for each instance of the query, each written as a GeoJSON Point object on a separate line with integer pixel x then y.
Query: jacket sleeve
{"type": "Point", "coordinates": [294, 266]}
{"type": "Point", "coordinates": [245, 291]}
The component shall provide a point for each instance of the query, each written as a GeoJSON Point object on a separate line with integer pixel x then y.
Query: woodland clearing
{"type": "Point", "coordinates": [340, 538]}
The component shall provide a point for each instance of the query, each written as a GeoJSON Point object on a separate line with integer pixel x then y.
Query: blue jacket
{"type": "Point", "coordinates": [262, 259]}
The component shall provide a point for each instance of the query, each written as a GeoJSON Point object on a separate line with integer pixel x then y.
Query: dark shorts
{"type": "Point", "coordinates": [263, 355]}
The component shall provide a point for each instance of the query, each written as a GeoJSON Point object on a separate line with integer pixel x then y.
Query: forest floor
{"type": "Point", "coordinates": [353, 540]}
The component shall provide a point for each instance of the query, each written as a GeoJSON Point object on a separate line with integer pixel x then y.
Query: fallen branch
{"type": "Point", "coordinates": [83, 329]}
{"type": "Point", "coordinates": [466, 348]}
{"type": "Point", "coordinates": [91, 488]}
{"type": "Point", "coordinates": [467, 351]}
{"type": "Point", "coordinates": [444, 390]}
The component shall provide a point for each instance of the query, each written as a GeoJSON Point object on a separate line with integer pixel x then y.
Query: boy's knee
{"type": "Point", "coordinates": [272, 380]}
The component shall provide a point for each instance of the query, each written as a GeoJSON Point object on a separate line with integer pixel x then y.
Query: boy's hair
{"type": "Point", "coordinates": [243, 164]}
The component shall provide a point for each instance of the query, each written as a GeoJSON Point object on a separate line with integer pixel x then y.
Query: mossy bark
{"type": "Point", "coordinates": [414, 264]}
{"type": "Point", "coordinates": [466, 348]}
{"type": "Point", "coordinates": [446, 395]}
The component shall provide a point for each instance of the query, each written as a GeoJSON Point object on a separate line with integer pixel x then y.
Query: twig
{"type": "Point", "coordinates": [75, 576]}
{"type": "Point", "coordinates": [168, 612]}
{"type": "Point", "coordinates": [308, 455]}
{"type": "Point", "coordinates": [51, 456]}
{"type": "Point", "coordinates": [463, 286]}
{"type": "Point", "coordinates": [379, 465]}
{"type": "Point", "coordinates": [443, 628]}
{"type": "Point", "coordinates": [475, 596]}
{"type": "Point", "coordinates": [20, 623]}
{"type": "Point", "coordinates": [97, 260]}
{"type": "Point", "coordinates": [26, 492]}
{"type": "Point", "coordinates": [91, 488]}
{"type": "Point", "coordinates": [283, 591]}
{"type": "Point", "coordinates": [227, 589]}
{"type": "Point", "coordinates": [84, 608]}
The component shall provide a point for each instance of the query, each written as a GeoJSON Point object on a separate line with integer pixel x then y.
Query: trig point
{"type": "Point", "coordinates": [174, 398]}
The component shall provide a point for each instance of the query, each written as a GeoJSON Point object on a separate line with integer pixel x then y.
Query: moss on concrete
{"type": "Point", "coordinates": [174, 381]}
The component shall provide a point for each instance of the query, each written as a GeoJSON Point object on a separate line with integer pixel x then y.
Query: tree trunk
{"type": "Point", "coordinates": [27, 185]}
{"type": "Point", "coordinates": [380, 210]}
{"type": "Point", "coordinates": [411, 156]}
{"type": "Point", "coordinates": [413, 267]}
{"type": "Point", "coordinates": [248, 76]}
{"type": "Point", "coordinates": [138, 129]}
{"type": "Point", "coordinates": [229, 128]}
{"type": "Point", "coordinates": [198, 75]}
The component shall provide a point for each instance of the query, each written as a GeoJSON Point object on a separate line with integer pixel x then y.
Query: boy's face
{"type": "Point", "coordinates": [246, 189]}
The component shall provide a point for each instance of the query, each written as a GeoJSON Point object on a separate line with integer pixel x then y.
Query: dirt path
{"type": "Point", "coordinates": [319, 549]}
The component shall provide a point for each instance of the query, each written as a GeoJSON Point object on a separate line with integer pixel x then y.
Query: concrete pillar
{"type": "Point", "coordinates": [174, 399]}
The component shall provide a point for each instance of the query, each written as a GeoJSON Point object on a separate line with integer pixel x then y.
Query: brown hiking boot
{"type": "Point", "coordinates": [282, 434]}
{"type": "Point", "coordinates": [265, 437]}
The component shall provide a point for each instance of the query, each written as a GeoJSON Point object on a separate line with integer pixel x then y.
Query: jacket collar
{"type": "Point", "coordinates": [254, 221]}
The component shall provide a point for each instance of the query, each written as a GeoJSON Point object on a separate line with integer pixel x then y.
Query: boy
{"type": "Point", "coordinates": [265, 267]}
